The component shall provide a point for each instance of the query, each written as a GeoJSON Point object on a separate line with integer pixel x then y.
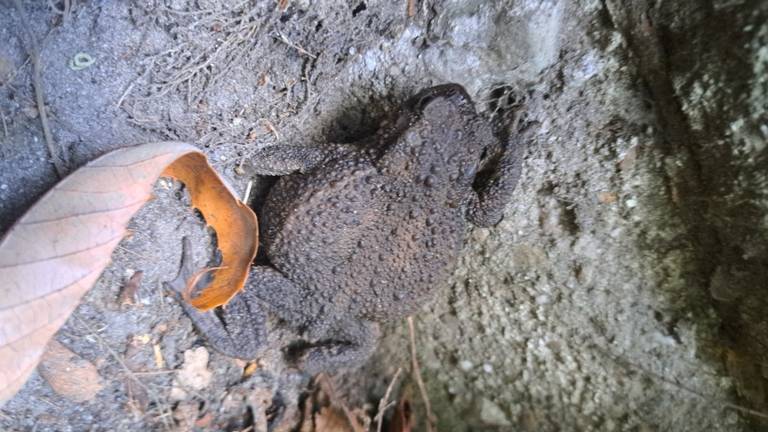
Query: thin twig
{"type": "Point", "coordinates": [5, 126]}
{"type": "Point", "coordinates": [410, 9]}
{"type": "Point", "coordinates": [12, 76]}
{"type": "Point", "coordinates": [417, 376]}
{"type": "Point", "coordinates": [131, 374]}
{"type": "Point", "coordinates": [295, 46]}
{"type": "Point", "coordinates": [46, 400]}
{"type": "Point", "coordinates": [247, 194]}
{"type": "Point", "coordinates": [383, 402]}
{"type": "Point", "coordinates": [125, 94]}
{"type": "Point", "coordinates": [124, 249]}
{"type": "Point", "coordinates": [34, 53]}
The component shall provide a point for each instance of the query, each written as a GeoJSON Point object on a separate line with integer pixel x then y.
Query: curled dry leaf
{"type": "Point", "coordinates": [58, 249]}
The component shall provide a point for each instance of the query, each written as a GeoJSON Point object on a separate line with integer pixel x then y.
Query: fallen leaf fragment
{"type": "Point", "coordinates": [249, 369]}
{"type": "Point", "coordinates": [58, 249]}
{"type": "Point", "coordinates": [271, 128]}
{"type": "Point", "coordinates": [331, 419]}
{"type": "Point", "coordinates": [607, 197]}
{"type": "Point", "coordinates": [402, 418]}
{"type": "Point", "coordinates": [68, 374]}
{"type": "Point", "coordinates": [324, 412]}
{"type": "Point", "coordinates": [204, 421]}
{"type": "Point", "coordinates": [159, 359]}
{"type": "Point", "coordinates": [131, 287]}
{"type": "Point", "coordinates": [185, 415]}
{"type": "Point", "coordinates": [629, 159]}
{"type": "Point", "coordinates": [141, 339]}
{"type": "Point", "coordinates": [263, 79]}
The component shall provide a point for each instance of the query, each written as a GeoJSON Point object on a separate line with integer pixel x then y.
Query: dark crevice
{"type": "Point", "coordinates": [359, 8]}
{"type": "Point", "coordinates": [704, 175]}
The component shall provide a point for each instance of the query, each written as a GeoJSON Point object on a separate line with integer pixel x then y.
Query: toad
{"type": "Point", "coordinates": [356, 235]}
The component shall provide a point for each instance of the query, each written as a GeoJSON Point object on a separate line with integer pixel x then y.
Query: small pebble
{"type": "Point", "coordinates": [492, 414]}
{"type": "Point", "coordinates": [3, 186]}
{"type": "Point", "coordinates": [465, 365]}
{"type": "Point", "coordinates": [631, 203]}
{"type": "Point", "coordinates": [487, 368]}
{"type": "Point", "coordinates": [481, 234]}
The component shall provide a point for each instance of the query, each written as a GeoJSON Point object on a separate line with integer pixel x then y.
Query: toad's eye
{"type": "Point", "coordinates": [423, 102]}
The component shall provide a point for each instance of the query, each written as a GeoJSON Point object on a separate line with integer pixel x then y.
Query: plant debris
{"type": "Point", "coordinates": [68, 374]}
{"type": "Point", "coordinates": [131, 287]}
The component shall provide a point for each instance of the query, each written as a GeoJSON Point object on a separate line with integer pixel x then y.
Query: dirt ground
{"type": "Point", "coordinates": [624, 289]}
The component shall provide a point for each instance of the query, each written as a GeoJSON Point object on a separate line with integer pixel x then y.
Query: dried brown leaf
{"type": "Point", "coordinates": [131, 287]}
{"type": "Point", "coordinates": [402, 418]}
{"type": "Point", "coordinates": [331, 419]}
{"type": "Point", "coordinates": [325, 412]}
{"type": "Point", "coordinates": [204, 421]}
{"type": "Point", "coordinates": [58, 249]}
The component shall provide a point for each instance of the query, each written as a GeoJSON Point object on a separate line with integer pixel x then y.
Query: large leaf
{"type": "Point", "coordinates": [58, 249]}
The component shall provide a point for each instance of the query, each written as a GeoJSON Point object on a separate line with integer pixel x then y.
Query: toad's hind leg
{"type": "Point", "coordinates": [237, 330]}
{"type": "Point", "coordinates": [283, 298]}
{"type": "Point", "coordinates": [495, 183]}
{"type": "Point", "coordinates": [349, 344]}
{"type": "Point", "coordinates": [324, 344]}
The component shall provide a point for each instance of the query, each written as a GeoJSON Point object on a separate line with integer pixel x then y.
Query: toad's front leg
{"type": "Point", "coordinates": [237, 329]}
{"type": "Point", "coordinates": [495, 182]}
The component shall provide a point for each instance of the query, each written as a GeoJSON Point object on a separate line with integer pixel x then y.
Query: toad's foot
{"type": "Point", "coordinates": [350, 344]}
